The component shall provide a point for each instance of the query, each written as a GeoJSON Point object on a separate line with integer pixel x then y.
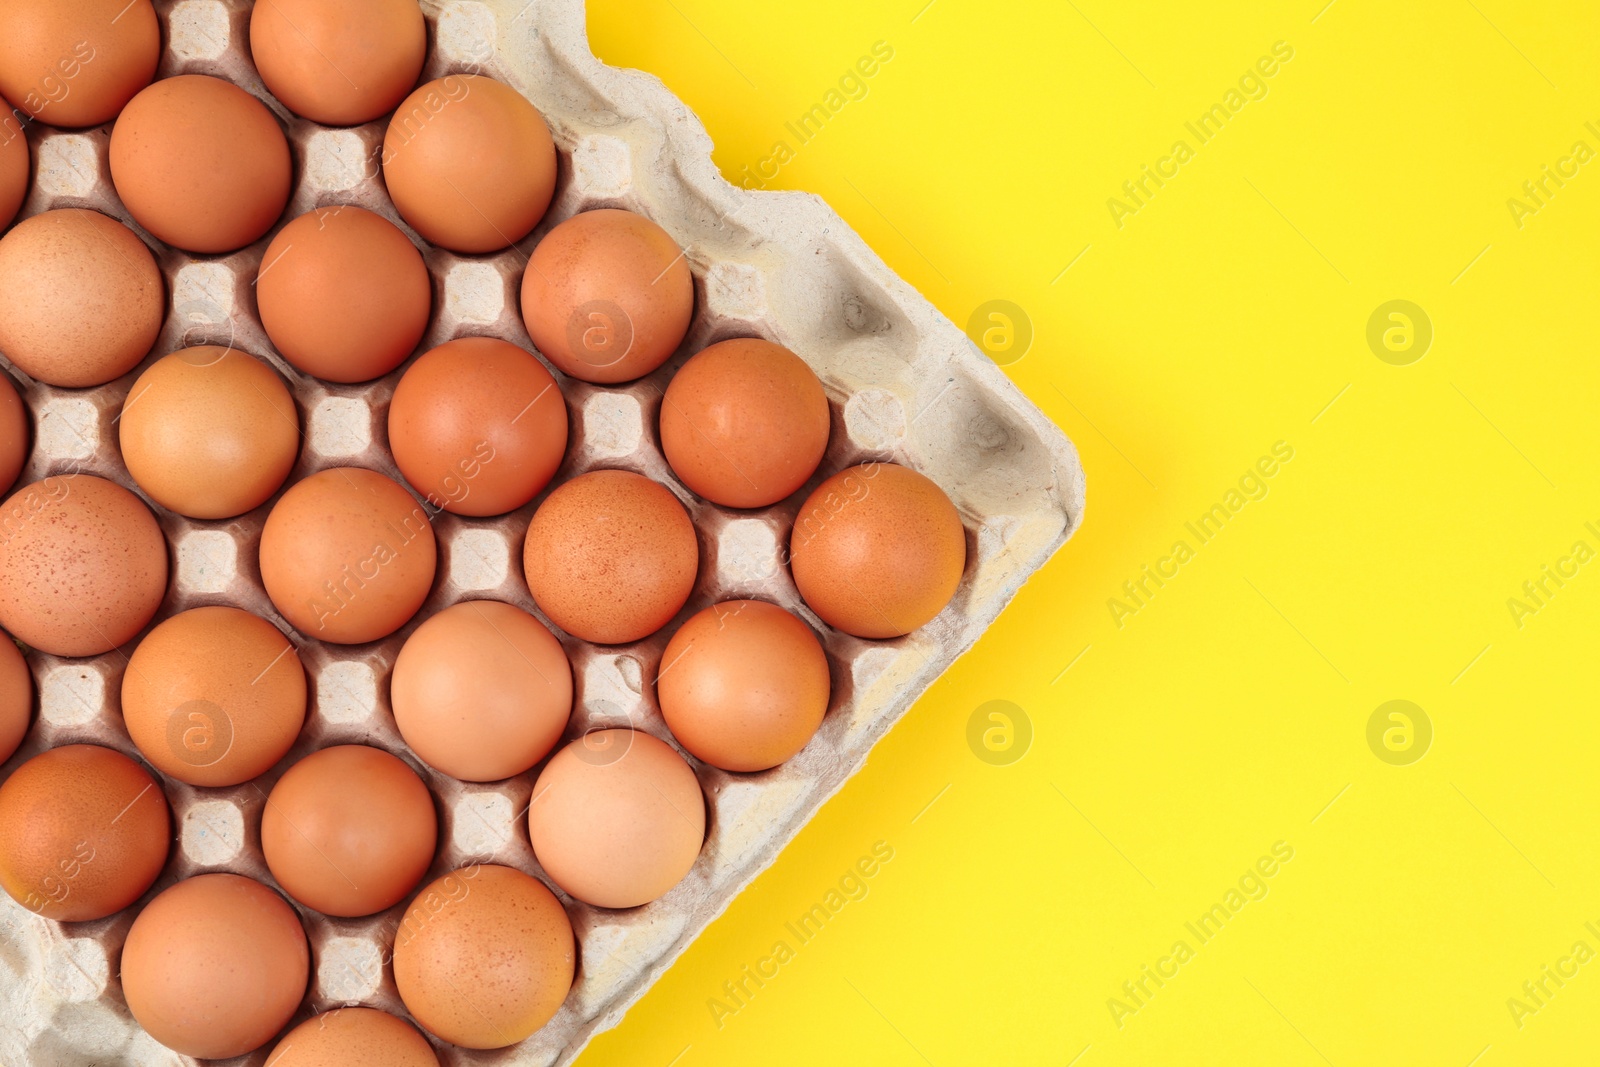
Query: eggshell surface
{"type": "Point", "coordinates": [353, 1037]}
{"type": "Point", "coordinates": [481, 691]}
{"type": "Point", "coordinates": [200, 163]}
{"type": "Point", "coordinates": [338, 62]}
{"type": "Point", "coordinates": [743, 685]}
{"type": "Point", "coordinates": [617, 818]}
{"type": "Point", "coordinates": [469, 163]}
{"type": "Point", "coordinates": [611, 556]}
{"type": "Point", "coordinates": [607, 296]}
{"type": "Point", "coordinates": [215, 966]}
{"type": "Point", "coordinates": [84, 831]}
{"type": "Point", "coordinates": [347, 556]}
{"type": "Point", "coordinates": [214, 696]}
{"type": "Point", "coordinates": [349, 830]}
{"type": "Point", "coordinates": [84, 299]}
{"type": "Point", "coordinates": [14, 433]}
{"type": "Point", "coordinates": [14, 166]}
{"type": "Point", "coordinates": [343, 294]}
{"type": "Point", "coordinates": [83, 565]}
{"type": "Point", "coordinates": [209, 432]}
{"type": "Point", "coordinates": [478, 426]}
{"type": "Point", "coordinates": [76, 62]}
{"type": "Point", "coordinates": [877, 550]}
{"type": "Point", "coordinates": [484, 956]}
{"type": "Point", "coordinates": [744, 423]}
{"type": "Point", "coordinates": [16, 697]}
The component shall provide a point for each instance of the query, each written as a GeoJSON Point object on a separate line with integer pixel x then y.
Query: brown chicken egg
{"type": "Point", "coordinates": [481, 691]}
{"type": "Point", "coordinates": [349, 830]}
{"type": "Point", "coordinates": [84, 831]}
{"type": "Point", "coordinates": [607, 296]}
{"type": "Point", "coordinates": [340, 64]}
{"type": "Point", "coordinates": [215, 966]}
{"type": "Point", "coordinates": [478, 426]}
{"type": "Point", "coordinates": [744, 423]}
{"type": "Point", "coordinates": [76, 62]}
{"type": "Point", "coordinates": [214, 696]}
{"type": "Point", "coordinates": [743, 685]}
{"type": "Point", "coordinates": [610, 556]}
{"type": "Point", "coordinates": [14, 433]}
{"type": "Point", "coordinates": [484, 956]}
{"type": "Point", "coordinates": [14, 165]}
{"type": "Point", "coordinates": [617, 818]}
{"type": "Point", "coordinates": [84, 299]}
{"type": "Point", "coordinates": [343, 294]}
{"type": "Point", "coordinates": [469, 163]}
{"type": "Point", "coordinates": [83, 565]}
{"type": "Point", "coordinates": [16, 697]}
{"type": "Point", "coordinates": [877, 550]}
{"type": "Point", "coordinates": [200, 163]}
{"type": "Point", "coordinates": [347, 556]}
{"type": "Point", "coordinates": [353, 1037]}
{"type": "Point", "coordinates": [209, 432]}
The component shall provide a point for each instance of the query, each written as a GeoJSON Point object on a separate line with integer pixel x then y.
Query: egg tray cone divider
{"type": "Point", "coordinates": [904, 385]}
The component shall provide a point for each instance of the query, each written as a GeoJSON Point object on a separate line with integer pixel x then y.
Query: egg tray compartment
{"type": "Point", "coordinates": [903, 383]}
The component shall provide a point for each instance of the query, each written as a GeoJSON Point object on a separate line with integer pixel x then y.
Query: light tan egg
{"type": "Point", "coordinates": [343, 294]}
{"type": "Point", "coordinates": [215, 966]}
{"type": "Point", "coordinates": [481, 691]}
{"type": "Point", "coordinates": [214, 696]}
{"type": "Point", "coordinates": [200, 163]}
{"type": "Point", "coordinates": [484, 956]}
{"type": "Point", "coordinates": [607, 296]}
{"type": "Point", "coordinates": [877, 550]}
{"type": "Point", "coordinates": [338, 62]}
{"type": "Point", "coordinates": [743, 685]}
{"type": "Point", "coordinates": [469, 163]}
{"type": "Point", "coordinates": [617, 818]}
{"type": "Point", "coordinates": [84, 831]}
{"type": "Point", "coordinates": [76, 62]}
{"type": "Point", "coordinates": [83, 565]}
{"type": "Point", "coordinates": [353, 1037]}
{"type": "Point", "coordinates": [347, 556]}
{"type": "Point", "coordinates": [84, 299]}
{"type": "Point", "coordinates": [209, 432]}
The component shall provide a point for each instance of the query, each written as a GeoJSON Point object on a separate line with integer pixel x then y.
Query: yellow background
{"type": "Point", "coordinates": [1230, 712]}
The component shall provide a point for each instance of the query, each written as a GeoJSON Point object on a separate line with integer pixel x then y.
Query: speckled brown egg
{"type": "Point", "coordinates": [84, 299]}
{"type": "Point", "coordinates": [469, 163]}
{"type": "Point", "coordinates": [743, 685]}
{"type": "Point", "coordinates": [200, 163]}
{"type": "Point", "coordinates": [353, 1037]}
{"type": "Point", "coordinates": [83, 565]}
{"type": "Point", "coordinates": [349, 830]}
{"type": "Point", "coordinates": [347, 556]}
{"type": "Point", "coordinates": [215, 966]}
{"type": "Point", "coordinates": [343, 294]}
{"type": "Point", "coordinates": [84, 831]}
{"type": "Point", "coordinates": [607, 296]}
{"type": "Point", "coordinates": [16, 697]}
{"type": "Point", "coordinates": [14, 164]}
{"type": "Point", "coordinates": [209, 432]}
{"type": "Point", "coordinates": [617, 818]}
{"type": "Point", "coordinates": [478, 426]}
{"type": "Point", "coordinates": [14, 435]}
{"type": "Point", "coordinates": [339, 63]}
{"type": "Point", "coordinates": [877, 550]}
{"type": "Point", "coordinates": [484, 956]}
{"type": "Point", "coordinates": [214, 696]}
{"type": "Point", "coordinates": [744, 423]}
{"type": "Point", "coordinates": [76, 62]}
{"type": "Point", "coordinates": [610, 556]}
{"type": "Point", "coordinates": [481, 691]}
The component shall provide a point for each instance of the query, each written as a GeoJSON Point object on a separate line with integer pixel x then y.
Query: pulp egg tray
{"type": "Point", "coordinates": [904, 384]}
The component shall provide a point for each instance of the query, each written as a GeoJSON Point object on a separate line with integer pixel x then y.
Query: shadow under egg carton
{"type": "Point", "coordinates": [903, 383]}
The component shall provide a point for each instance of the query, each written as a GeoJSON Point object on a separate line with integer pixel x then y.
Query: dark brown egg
{"type": "Point", "coordinates": [16, 697]}
{"type": "Point", "coordinates": [14, 433]}
{"type": "Point", "coordinates": [14, 161]}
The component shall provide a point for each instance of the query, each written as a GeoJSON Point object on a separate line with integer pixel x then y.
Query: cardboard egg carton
{"type": "Point", "coordinates": [904, 384]}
